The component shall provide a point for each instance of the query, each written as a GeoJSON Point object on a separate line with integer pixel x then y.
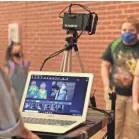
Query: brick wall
{"type": "Point", "coordinates": [42, 33]}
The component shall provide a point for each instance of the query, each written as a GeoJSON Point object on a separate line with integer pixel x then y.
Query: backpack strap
{"type": "Point", "coordinates": [114, 44]}
{"type": "Point", "coordinates": [11, 67]}
{"type": "Point", "coordinates": [26, 64]}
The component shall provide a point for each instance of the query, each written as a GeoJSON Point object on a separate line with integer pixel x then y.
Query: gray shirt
{"type": "Point", "coordinates": [18, 81]}
{"type": "Point", "coordinates": [11, 123]}
{"type": "Point", "coordinates": [18, 75]}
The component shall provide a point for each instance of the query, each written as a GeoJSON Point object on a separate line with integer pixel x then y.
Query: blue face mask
{"type": "Point", "coordinates": [129, 37]}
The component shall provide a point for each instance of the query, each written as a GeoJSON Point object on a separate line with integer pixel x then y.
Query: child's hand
{"type": "Point", "coordinates": [136, 108]}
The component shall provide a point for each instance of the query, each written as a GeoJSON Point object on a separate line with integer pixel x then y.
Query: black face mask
{"type": "Point", "coordinates": [18, 55]}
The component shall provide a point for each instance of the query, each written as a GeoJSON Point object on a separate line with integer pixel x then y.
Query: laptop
{"type": "Point", "coordinates": [55, 102]}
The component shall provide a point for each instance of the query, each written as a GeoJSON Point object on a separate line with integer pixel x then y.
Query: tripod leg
{"type": "Point", "coordinates": [64, 61]}
{"type": "Point", "coordinates": [69, 68]}
{"type": "Point", "coordinates": [111, 125]}
{"type": "Point", "coordinates": [79, 61]}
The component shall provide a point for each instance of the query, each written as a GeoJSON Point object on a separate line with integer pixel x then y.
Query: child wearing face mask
{"type": "Point", "coordinates": [117, 70]}
{"type": "Point", "coordinates": [16, 66]}
{"type": "Point", "coordinates": [62, 93]}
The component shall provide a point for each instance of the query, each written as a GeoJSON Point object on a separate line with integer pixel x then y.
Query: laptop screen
{"type": "Point", "coordinates": [56, 94]}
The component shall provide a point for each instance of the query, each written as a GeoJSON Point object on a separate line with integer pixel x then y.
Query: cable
{"type": "Point", "coordinates": [85, 8]}
{"type": "Point", "coordinates": [62, 11]}
{"type": "Point", "coordinates": [100, 110]}
{"type": "Point", "coordinates": [104, 136]}
{"type": "Point", "coordinates": [53, 55]}
{"type": "Point", "coordinates": [84, 28]}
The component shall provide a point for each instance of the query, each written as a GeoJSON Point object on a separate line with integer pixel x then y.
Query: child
{"type": "Point", "coordinates": [16, 66]}
{"type": "Point", "coordinates": [55, 89]}
{"type": "Point", "coordinates": [42, 93]}
{"type": "Point", "coordinates": [33, 90]}
{"type": "Point", "coordinates": [118, 63]}
{"type": "Point", "coordinates": [62, 94]}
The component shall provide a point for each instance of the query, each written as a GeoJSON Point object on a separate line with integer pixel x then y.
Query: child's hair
{"type": "Point", "coordinates": [134, 21]}
{"type": "Point", "coordinates": [10, 48]}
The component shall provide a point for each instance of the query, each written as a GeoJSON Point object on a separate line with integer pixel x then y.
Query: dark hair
{"type": "Point", "coordinates": [64, 83]}
{"type": "Point", "coordinates": [9, 50]}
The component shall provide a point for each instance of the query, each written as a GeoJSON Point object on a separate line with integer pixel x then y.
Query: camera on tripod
{"type": "Point", "coordinates": [79, 21]}
{"type": "Point", "coordinates": [74, 22]}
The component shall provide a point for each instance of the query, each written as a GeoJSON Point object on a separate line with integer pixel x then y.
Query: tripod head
{"type": "Point", "coordinates": [71, 42]}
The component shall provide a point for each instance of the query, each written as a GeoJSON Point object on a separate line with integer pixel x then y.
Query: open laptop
{"type": "Point", "coordinates": [55, 102]}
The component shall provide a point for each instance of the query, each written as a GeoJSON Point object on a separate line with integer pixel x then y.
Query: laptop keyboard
{"type": "Point", "coordinates": [48, 121]}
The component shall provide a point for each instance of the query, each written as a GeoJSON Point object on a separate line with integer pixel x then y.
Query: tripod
{"type": "Point", "coordinates": [111, 125]}
{"type": "Point", "coordinates": [66, 64]}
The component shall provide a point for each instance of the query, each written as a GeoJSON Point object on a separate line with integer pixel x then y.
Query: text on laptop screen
{"type": "Point", "coordinates": [56, 95]}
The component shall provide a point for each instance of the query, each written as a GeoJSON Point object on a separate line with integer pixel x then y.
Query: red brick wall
{"type": "Point", "coordinates": [42, 33]}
